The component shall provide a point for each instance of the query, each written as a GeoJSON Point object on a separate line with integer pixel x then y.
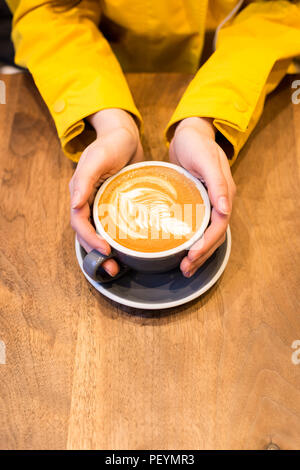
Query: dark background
{"type": "Point", "coordinates": [6, 46]}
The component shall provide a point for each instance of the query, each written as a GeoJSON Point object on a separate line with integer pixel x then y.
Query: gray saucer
{"type": "Point", "coordinates": [163, 290]}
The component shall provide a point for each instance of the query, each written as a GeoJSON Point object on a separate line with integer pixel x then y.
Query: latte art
{"type": "Point", "coordinates": [149, 206]}
{"type": "Point", "coordinates": [151, 209]}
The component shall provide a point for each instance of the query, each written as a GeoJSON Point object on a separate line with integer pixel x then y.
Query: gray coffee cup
{"type": "Point", "coordinates": [140, 261]}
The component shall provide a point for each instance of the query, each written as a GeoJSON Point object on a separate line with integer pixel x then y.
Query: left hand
{"type": "Point", "coordinates": [117, 144]}
{"type": "Point", "coordinates": [194, 148]}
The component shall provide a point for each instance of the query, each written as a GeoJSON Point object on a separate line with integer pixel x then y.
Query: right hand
{"type": "Point", "coordinates": [195, 149]}
{"type": "Point", "coordinates": [116, 145]}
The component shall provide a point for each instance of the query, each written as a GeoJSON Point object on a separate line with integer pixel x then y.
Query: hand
{"type": "Point", "coordinates": [194, 148]}
{"type": "Point", "coordinates": [117, 144]}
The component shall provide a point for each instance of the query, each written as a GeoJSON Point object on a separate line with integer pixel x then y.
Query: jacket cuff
{"type": "Point", "coordinates": [71, 108]}
{"type": "Point", "coordinates": [219, 91]}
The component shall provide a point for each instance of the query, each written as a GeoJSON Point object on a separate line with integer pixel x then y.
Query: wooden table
{"type": "Point", "coordinates": [84, 373]}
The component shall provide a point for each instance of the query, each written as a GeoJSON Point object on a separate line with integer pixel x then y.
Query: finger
{"type": "Point", "coordinates": [204, 258]}
{"type": "Point", "coordinates": [187, 266]}
{"type": "Point", "coordinates": [88, 172]}
{"type": "Point", "coordinates": [84, 244]}
{"type": "Point", "coordinates": [227, 173]}
{"type": "Point", "coordinates": [110, 266]}
{"type": "Point", "coordinates": [206, 164]}
{"type": "Point", "coordinates": [101, 159]}
{"type": "Point", "coordinates": [84, 229]}
{"type": "Point", "coordinates": [217, 185]}
{"type": "Point", "coordinates": [213, 233]}
{"type": "Point", "coordinates": [188, 269]}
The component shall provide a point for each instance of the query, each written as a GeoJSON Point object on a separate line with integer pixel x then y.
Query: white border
{"type": "Point", "coordinates": [156, 306]}
{"type": "Point", "coordinates": [158, 254]}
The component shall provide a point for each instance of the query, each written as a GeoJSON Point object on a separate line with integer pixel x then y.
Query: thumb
{"type": "Point", "coordinates": [87, 174]}
{"type": "Point", "coordinates": [209, 168]}
{"type": "Point", "coordinates": [217, 188]}
{"type": "Point", "coordinates": [218, 193]}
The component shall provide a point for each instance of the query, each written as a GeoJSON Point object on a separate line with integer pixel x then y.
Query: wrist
{"type": "Point", "coordinates": [202, 124]}
{"type": "Point", "coordinates": [107, 120]}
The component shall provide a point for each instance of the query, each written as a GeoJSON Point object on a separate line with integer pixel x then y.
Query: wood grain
{"type": "Point", "coordinates": [85, 373]}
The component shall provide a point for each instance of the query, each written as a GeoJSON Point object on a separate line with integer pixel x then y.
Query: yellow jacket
{"type": "Point", "coordinates": [76, 66]}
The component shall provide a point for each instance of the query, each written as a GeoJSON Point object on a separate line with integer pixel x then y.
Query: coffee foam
{"type": "Point", "coordinates": [151, 209]}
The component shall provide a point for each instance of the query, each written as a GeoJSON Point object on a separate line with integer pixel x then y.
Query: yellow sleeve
{"type": "Point", "coordinates": [72, 65]}
{"type": "Point", "coordinates": [253, 54]}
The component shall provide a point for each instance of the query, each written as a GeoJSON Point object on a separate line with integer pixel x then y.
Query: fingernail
{"type": "Point", "coordinates": [102, 249]}
{"type": "Point", "coordinates": [108, 270]}
{"type": "Point", "coordinates": [187, 274]}
{"type": "Point", "coordinates": [223, 205]}
{"type": "Point", "coordinates": [75, 199]}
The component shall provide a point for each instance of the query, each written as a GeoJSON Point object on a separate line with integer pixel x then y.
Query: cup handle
{"type": "Point", "coordinates": [94, 260]}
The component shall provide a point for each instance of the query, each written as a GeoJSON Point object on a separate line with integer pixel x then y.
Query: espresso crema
{"type": "Point", "coordinates": [151, 209]}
